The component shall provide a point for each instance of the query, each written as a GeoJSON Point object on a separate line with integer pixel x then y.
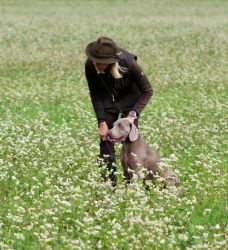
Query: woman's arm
{"type": "Point", "coordinates": [95, 92]}
{"type": "Point", "coordinates": [143, 84]}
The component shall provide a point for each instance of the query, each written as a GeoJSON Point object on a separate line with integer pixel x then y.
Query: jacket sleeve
{"type": "Point", "coordinates": [95, 92]}
{"type": "Point", "coordinates": [143, 85]}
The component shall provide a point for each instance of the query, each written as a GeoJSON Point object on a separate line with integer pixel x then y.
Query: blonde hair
{"type": "Point", "coordinates": [116, 69]}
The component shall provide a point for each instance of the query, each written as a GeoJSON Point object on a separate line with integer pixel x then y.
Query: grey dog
{"type": "Point", "coordinates": [136, 153]}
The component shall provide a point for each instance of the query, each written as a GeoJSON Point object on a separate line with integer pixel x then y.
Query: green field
{"type": "Point", "coordinates": [52, 195]}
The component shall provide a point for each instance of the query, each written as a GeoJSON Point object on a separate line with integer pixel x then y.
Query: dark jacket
{"type": "Point", "coordinates": [131, 92]}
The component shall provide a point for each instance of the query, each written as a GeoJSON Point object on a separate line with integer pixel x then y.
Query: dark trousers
{"type": "Point", "coordinates": [107, 150]}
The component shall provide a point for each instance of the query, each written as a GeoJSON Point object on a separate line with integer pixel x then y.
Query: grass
{"type": "Point", "coordinates": [51, 192]}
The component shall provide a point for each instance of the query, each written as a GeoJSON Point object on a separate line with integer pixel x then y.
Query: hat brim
{"type": "Point", "coordinates": [89, 52]}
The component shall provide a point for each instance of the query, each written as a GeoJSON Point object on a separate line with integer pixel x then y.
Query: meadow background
{"type": "Point", "coordinates": [51, 192]}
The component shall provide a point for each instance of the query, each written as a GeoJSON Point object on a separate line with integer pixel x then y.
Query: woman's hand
{"type": "Point", "coordinates": [103, 131]}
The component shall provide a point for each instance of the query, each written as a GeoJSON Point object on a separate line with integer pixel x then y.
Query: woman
{"type": "Point", "coordinates": [117, 85]}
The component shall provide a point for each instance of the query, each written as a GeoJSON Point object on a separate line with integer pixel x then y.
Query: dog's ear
{"type": "Point", "coordinates": [134, 133]}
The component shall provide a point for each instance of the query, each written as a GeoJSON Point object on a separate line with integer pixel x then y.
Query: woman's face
{"type": "Point", "coordinates": [100, 66]}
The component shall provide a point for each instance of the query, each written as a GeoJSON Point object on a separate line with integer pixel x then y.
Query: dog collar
{"type": "Point", "coordinates": [127, 141]}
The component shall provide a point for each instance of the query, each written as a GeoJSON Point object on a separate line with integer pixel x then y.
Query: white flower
{"type": "Point", "coordinates": [200, 227]}
{"type": "Point", "coordinates": [19, 236]}
{"type": "Point", "coordinates": [46, 141]}
{"type": "Point", "coordinates": [183, 237]}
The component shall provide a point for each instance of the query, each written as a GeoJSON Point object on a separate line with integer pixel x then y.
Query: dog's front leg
{"type": "Point", "coordinates": [127, 176]}
{"type": "Point", "coordinates": [124, 159]}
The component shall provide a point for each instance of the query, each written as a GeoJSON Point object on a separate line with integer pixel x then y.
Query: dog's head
{"type": "Point", "coordinates": [123, 129]}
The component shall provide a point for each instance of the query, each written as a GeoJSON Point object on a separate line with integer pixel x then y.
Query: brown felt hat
{"type": "Point", "coordinates": [104, 50]}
